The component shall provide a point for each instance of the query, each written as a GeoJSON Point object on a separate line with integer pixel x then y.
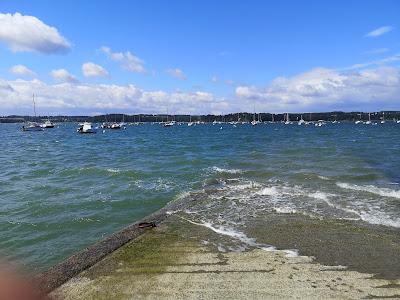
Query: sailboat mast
{"type": "Point", "coordinates": [34, 105]}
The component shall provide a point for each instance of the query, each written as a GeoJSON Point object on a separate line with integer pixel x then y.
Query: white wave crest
{"type": "Point", "coordinates": [319, 196]}
{"type": "Point", "coordinates": [379, 219]}
{"type": "Point", "coordinates": [269, 191]}
{"type": "Point", "coordinates": [384, 192]}
{"type": "Point", "coordinates": [242, 237]}
{"type": "Point", "coordinates": [229, 171]}
{"type": "Point", "coordinates": [285, 210]}
{"type": "Point", "coordinates": [243, 186]}
{"type": "Point", "coordinates": [372, 217]}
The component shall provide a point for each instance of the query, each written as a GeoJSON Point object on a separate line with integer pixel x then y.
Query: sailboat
{"type": "Point", "coordinates": [287, 122]}
{"type": "Point", "coordinates": [383, 118]}
{"type": "Point", "coordinates": [106, 124]}
{"type": "Point", "coordinates": [359, 121]}
{"type": "Point", "coordinates": [115, 125]}
{"type": "Point", "coordinates": [301, 121]}
{"type": "Point", "coordinates": [369, 119]}
{"type": "Point", "coordinates": [190, 121]}
{"type": "Point", "coordinates": [32, 126]}
{"type": "Point", "coordinates": [254, 122]}
{"type": "Point", "coordinates": [169, 123]}
{"type": "Point", "coordinates": [123, 123]}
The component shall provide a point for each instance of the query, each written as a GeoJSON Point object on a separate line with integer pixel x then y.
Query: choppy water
{"type": "Point", "coordinates": [61, 191]}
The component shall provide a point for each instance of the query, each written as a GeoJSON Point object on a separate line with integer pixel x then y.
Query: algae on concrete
{"type": "Point", "coordinates": [177, 261]}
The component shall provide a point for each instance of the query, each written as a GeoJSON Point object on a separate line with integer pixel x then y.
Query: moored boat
{"type": "Point", "coordinates": [47, 124]}
{"type": "Point", "coordinates": [32, 126]}
{"type": "Point", "coordinates": [86, 127]}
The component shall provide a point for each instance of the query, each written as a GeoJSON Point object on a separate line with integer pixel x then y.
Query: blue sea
{"type": "Point", "coordinates": [61, 191]}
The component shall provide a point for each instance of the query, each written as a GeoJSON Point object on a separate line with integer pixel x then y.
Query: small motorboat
{"type": "Point", "coordinates": [115, 126]}
{"type": "Point", "coordinates": [254, 123]}
{"type": "Point", "coordinates": [31, 126]}
{"type": "Point", "coordinates": [169, 124]}
{"type": "Point", "coordinates": [47, 124]}
{"type": "Point", "coordinates": [86, 127]}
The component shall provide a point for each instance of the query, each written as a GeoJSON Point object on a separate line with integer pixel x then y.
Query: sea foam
{"type": "Point", "coordinates": [384, 192]}
{"type": "Point", "coordinates": [242, 237]}
{"type": "Point", "coordinates": [229, 171]}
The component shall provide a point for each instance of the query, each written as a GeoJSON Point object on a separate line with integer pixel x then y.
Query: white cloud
{"type": "Point", "coordinates": [63, 75]}
{"type": "Point", "coordinates": [379, 31]}
{"type": "Point", "coordinates": [90, 69]}
{"type": "Point", "coordinates": [80, 98]}
{"type": "Point", "coordinates": [177, 73]}
{"type": "Point", "coordinates": [319, 89]}
{"type": "Point", "coordinates": [127, 60]}
{"type": "Point", "coordinates": [28, 33]}
{"type": "Point", "coordinates": [377, 51]}
{"type": "Point", "coordinates": [378, 62]}
{"type": "Point", "coordinates": [21, 70]}
{"type": "Point", "coordinates": [326, 89]}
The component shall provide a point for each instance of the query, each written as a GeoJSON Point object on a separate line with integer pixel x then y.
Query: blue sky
{"type": "Point", "coordinates": [203, 56]}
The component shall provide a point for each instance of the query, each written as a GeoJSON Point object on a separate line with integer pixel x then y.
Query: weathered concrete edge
{"type": "Point", "coordinates": [57, 275]}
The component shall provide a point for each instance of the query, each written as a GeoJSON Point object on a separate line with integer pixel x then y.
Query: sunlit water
{"type": "Point", "coordinates": [61, 191]}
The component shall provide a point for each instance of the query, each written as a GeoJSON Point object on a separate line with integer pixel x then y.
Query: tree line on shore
{"type": "Point", "coordinates": [242, 116]}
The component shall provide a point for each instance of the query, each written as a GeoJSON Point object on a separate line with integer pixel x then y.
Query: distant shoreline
{"type": "Point", "coordinates": [241, 116]}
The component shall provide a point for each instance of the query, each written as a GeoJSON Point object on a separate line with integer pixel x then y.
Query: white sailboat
{"type": "Point", "coordinates": [169, 123]}
{"type": "Point", "coordinates": [287, 122]}
{"type": "Point", "coordinates": [115, 125]}
{"type": "Point", "coordinates": [369, 119]}
{"type": "Point", "coordinates": [190, 121]}
{"type": "Point", "coordinates": [32, 126]}
{"type": "Point", "coordinates": [254, 122]}
{"type": "Point", "coordinates": [383, 118]}
{"type": "Point", "coordinates": [359, 121]}
{"type": "Point", "coordinates": [123, 123]}
{"type": "Point", "coordinates": [301, 121]}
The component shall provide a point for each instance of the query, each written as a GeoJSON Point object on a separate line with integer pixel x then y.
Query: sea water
{"type": "Point", "coordinates": [61, 191]}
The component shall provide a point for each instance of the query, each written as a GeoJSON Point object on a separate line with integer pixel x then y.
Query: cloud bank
{"type": "Point", "coordinates": [319, 89]}
{"type": "Point", "coordinates": [79, 98]}
{"type": "Point", "coordinates": [325, 89]}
